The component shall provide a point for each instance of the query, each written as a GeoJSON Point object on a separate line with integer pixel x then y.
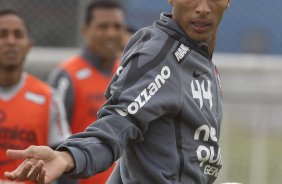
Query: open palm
{"type": "Point", "coordinates": [42, 164]}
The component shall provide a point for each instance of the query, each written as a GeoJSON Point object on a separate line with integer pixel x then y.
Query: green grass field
{"type": "Point", "coordinates": [238, 149]}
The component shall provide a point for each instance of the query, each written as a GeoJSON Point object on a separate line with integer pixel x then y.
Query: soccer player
{"type": "Point", "coordinates": [83, 79]}
{"type": "Point", "coordinates": [30, 111]}
{"type": "Point", "coordinates": [163, 114]}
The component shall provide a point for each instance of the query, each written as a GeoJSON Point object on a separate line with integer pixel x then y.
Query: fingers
{"type": "Point", "coordinates": [22, 170]}
{"type": "Point", "coordinates": [35, 172]}
{"type": "Point", "coordinates": [16, 154]}
{"type": "Point", "coordinates": [13, 175]}
{"type": "Point", "coordinates": [10, 175]}
{"type": "Point", "coordinates": [27, 172]}
{"type": "Point", "coordinates": [22, 175]}
{"type": "Point", "coordinates": [20, 154]}
{"type": "Point", "coordinates": [41, 177]}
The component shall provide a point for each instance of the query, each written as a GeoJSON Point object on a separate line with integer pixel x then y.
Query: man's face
{"type": "Point", "coordinates": [14, 41]}
{"type": "Point", "coordinates": [199, 18]}
{"type": "Point", "coordinates": [105, 32]}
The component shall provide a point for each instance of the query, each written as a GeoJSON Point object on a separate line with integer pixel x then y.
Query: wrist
{"type": "Point", "coordinates": [68, 160]}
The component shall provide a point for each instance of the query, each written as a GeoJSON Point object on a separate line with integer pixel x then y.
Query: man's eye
{"type": "Point", "coordinates": [3, 34]}
{"type": "Point", "coordinates": [103, 26]}
{"type": "Point", "coordinates": [118, 26]}
{"type": "Point", "coordinates": [19, 34]}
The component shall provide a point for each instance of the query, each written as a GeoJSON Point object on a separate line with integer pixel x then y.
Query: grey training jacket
{"type": "Point", "coordinates": [163, 114]}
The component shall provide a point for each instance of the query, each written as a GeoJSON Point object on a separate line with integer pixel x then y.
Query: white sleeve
{"type": "Point", "coordinates": [58, 126]}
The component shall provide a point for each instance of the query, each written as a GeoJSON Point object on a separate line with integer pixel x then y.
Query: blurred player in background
{"type": "Point", "coordinates": [83, 79]}
{"type": "Point", "coordinates": [30, 111]}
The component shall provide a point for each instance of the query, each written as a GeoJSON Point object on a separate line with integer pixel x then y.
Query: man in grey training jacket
{"type": "Point", "coordinates": [163, 114]}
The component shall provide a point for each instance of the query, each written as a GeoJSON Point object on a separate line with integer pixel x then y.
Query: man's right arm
{"type": "Point", "coordinates": [61, 81]}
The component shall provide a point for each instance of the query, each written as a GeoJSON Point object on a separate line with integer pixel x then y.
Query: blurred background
{"type": "Point", "coordinates": [249, 54]}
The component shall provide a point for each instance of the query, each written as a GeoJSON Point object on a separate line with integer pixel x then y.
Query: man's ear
{"type": "Point", "coordinates": [171, 2]}
{"type": "Point", "coordinates": [228, 4]}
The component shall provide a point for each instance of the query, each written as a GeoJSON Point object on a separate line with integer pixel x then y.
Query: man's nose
{"type": "Point", "coordinates": [111, 32]}
{"type": "Point", "coordinates": [11, 39]}
{"type": "Point", "coordinates": [203, 7]}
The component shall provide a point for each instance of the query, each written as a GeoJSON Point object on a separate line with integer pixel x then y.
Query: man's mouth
{"type": "Point", "coordinates": [10, 53]}
{"type": "Point", "coordinates": [200, 26]}
{"type": "Point", "coordinates": [109, 45]}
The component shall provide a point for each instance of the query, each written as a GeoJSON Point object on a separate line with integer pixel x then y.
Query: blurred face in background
{"type": "Point", "coordinates": [14, 41]}
{"type": "Point", "coordinates": [199, 18]}
{"type": "Point", "coordinates": [105, 31]}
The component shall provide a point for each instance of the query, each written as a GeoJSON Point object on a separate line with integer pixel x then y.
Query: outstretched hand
{"type": "Point", "coordinates": [42, 165]}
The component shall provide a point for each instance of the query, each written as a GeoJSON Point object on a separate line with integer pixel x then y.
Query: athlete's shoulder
{"type": "Point", "coordinates": [36, 87]}
{"type": "Point", "coordinates": [146, 37]}
{"type": "Point", "coordinates": [72, 64]}
{"type": "Point", "coordinates": [68, 69]}
{"type": "Point", "coordinates": [34, 82]}
{"type": "Point", "coordinates": [148, 45]}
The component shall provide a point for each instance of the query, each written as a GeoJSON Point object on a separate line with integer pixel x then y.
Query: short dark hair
{"type": "Point", "coordinates": [5, 12]}
{"type": "Point", "coordinates": [100, 4]}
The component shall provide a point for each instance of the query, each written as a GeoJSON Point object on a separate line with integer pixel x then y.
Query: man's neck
{"type": "Point", "coordinates": [105, 65]}
{"type": "Point", "coordinates": [211, 44]}
{"type": "Point", "coordinates": [10, 77]}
